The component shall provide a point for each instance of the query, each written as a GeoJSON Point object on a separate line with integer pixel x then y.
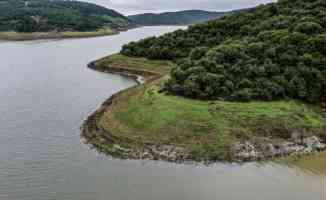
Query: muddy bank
{"type": "Point", "coordinates": [14, 36]}
{"type": "Point", "coordinates": [140, 76]}
{"type": "Point", "coordinates": [105, 142]}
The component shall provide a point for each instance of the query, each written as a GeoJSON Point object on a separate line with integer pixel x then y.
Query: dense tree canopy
{"type": "Point", "coordinates": [60, 15]}
{"type": "Point", "coordinates": [270, 52]}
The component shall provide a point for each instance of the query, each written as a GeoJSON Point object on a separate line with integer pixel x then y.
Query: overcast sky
{"type": "Point", "coordinates": [140, 6]}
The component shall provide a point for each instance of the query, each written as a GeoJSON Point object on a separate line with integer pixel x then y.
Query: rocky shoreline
{"type": "Point", "coordinates": [99, 138]}
{"type": "Point", "coordinates": [260, 149]}
{"type": "Point", "coordinates": [296, 145]}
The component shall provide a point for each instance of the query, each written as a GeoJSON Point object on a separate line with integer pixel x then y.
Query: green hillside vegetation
{"type": "Point", "coordinates": [271, 52]}
{"type": "Point", "coordinates": [175, 18]}
{"type": "Point", "coordinates": [144, 117]}
{"type": "Point", "coordinates": [57, 15]}
{"type": "Point", "coordinates": [206, 129]}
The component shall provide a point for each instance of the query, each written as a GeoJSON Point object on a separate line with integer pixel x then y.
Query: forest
{"type": "Point", "coordinates": [57, 15]}
{"type": "Point", "coordinates": [175, 18]}
{"type": "Point", "coordinates": [272, 52]}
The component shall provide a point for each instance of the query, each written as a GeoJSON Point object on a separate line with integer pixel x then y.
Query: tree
{"type": "Point", "coordinates": [197, 53]}
{"type": "Point", "coordinates": [309, 28]}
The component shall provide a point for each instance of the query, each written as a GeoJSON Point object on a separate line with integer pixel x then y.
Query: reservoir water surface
{"type": "Point", "coordinates": [46, 91]}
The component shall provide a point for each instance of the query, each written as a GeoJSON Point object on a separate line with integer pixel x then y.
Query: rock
{"type": "Point", "coordinates": [245, 151]}
{"type": "Point", "coordinates": [167, 152]}
{"type": "Point", "coordinates": [164, 154]}
{"type": "Point", "coordinates": [297, 137]}
{"type": "Point", "coordinates": [288, 148]}
{"type": "Point", "coordinates": [313, 144]}
{"type": "Point", "coordinates": [147, 156]}
{"type": "Point", "coordinates": [270, 150]}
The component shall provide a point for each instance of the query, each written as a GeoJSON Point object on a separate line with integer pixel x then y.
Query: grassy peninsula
{"type": "Point", "coordinates": [40, 19]}
{"type": "Point", "coordinates": [247, 86]}
{"type": "Point", "coordinates": [145, 123]}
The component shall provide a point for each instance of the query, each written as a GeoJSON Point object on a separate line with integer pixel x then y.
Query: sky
{"type": "Point", "coordinates": [128, 7]}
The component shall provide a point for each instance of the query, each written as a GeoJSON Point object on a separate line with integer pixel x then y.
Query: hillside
{"type": "Point", "coordinates": [271, 52]}
{"type": "Point", "coordinates": [247, 86]}
{"type": "Point", "coordinates": [57, 15]}
{"type": "Point", "coordinates": [175, 18]}
{"type": "Point", "coordinates": [143, 122]}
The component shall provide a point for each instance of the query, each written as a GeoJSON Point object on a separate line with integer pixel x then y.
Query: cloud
{"type": "Point", "coordinates": [141, 6]}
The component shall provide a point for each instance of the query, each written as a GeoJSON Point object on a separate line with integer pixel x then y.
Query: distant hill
{"type": "Point", "coordinates": [175, 18]}
{"type": "Point", "coordinates": [59, 15]}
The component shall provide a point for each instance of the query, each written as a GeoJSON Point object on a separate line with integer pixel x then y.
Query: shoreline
{"type": "Point", "coordinates": [90, 130]}
{"type": "Point", "coordinates": [243, 151]}
{"type": "Point", "coordinates": [139, 76]}
{"type": "Point", "coordinates": [14, 36]}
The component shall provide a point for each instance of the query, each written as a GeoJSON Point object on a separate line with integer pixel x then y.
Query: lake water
{"type": "Point", "coordinates": [46, 91]}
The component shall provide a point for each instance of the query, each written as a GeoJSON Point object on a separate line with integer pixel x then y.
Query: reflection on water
{"type": "Point", "coordinates": [46, 91]}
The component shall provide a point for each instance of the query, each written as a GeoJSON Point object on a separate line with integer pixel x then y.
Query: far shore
{"type": "Point", "coordinates": [15, 36]}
